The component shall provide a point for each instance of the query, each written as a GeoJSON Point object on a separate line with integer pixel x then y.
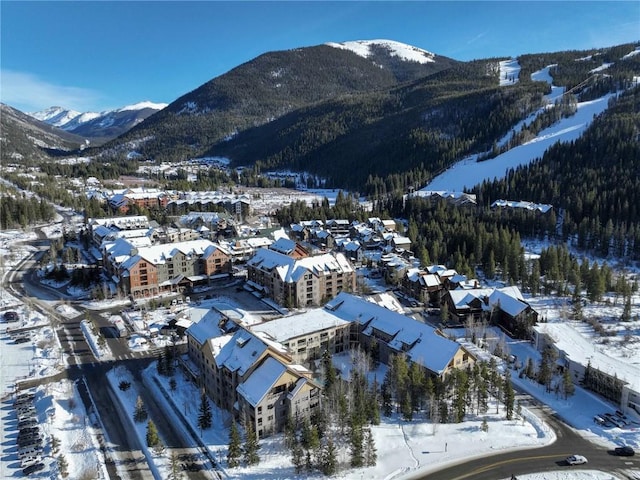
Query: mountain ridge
{"type": "Point", "coordinates": [98, 126]}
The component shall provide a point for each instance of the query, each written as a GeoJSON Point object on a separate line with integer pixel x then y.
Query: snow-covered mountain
{"type": "Point", "coordinates": [103, 125]}
{"type": "Point", "coordinates": [367, 48]}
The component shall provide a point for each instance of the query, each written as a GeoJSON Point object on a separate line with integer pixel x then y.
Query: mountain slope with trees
{"type": "Point", "coordinates": [264, 89]}
{"type": "Point", "coordinates": [25, 138]}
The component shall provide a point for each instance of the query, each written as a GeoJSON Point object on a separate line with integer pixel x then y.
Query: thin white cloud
{"type": "Point", "coordinates": [29, 93]}
{"type": "Point", "coordinates": [476, 38]}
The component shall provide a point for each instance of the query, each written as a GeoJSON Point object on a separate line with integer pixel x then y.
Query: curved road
{"type": "Point", "coordinates": [543, 459]}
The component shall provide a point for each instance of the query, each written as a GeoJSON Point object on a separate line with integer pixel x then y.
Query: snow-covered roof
{"type": "Point", "coordinates": [285, 328]}
{"type": "Point", "coordinates": [508, 299]}
{"type": "Point", "coordinates": [261, 380]}
{"type": "Point", "coordinates": [158, 254]}
{"type": "Point", "coordinates": [423, 278]}
{"type": "Point", "coordinates": [236, 352]}
{"type": "Point", "coordinates": [132, 221]}
{"type": "Point", "coordinates": [290, 270]}
{"type": "Point", "coordinates": [421, 342]}
{"type": "Point", "coordinates": [206, 328]}
{"type": "Point", "coordinates": [283, 245]}
{"type": "Point", "coordinates": [541, 207]}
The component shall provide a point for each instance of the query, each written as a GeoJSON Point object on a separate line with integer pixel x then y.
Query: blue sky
{"type": "Point", "coordinates": [94, 56]}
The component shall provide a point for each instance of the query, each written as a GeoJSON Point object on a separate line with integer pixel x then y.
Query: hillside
{"type": "Point", "coordinates": [265, 89]}
{"type": "Point", "coordinates": [25, 138]}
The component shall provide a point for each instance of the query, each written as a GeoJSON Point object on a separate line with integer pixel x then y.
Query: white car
{"type": "Point", "coordinates": [576, 460]}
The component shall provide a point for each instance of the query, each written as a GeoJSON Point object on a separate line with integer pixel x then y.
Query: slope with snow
{"type": "Point", "coordinates": [469, 172]}
{"type": "Point", "coordinates": [56, 116]}
{"type": "Point", "coordinates": [396, 49]}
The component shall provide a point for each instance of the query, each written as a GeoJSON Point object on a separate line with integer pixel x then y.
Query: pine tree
{"type": "Point", "coordinates": [290, 438]}
{"type": "Point", "coordinates": [140, 412]}
{"type": "Point", "coordinates": [385, 394]}
{"type": "Point", "coordinates": [484, 426]}
{"type": "Point", "coordinates": [234, 451]}
{"type": "Point", "coordinates": [174, 468]}
{"type": "Point", "coordinates": [204, 417]}
{"type": "Point", "coordinates": [251, 446]}
{"type": "Point", "coordinates": [63, 466]}
{"type": "Point", "coordinates": [330, 374]}
{"type": "Point", "coordinates": [508, 395]}
{"type": "Point", "coordinates": [530, 370]}
{"type": "Point", "coordinates": [297, 456]}
{"type": "Point", "coordinates": [153, 440]}
{"type": "Point", "coordinates": [406, 407]}
{"type": "Point", "coordinates": [545, 372]}
{"type": "Point", "coordinates": [329, 458]}
{"type": "Point", "coordinates": [568, 388]}
{"type": "Point", "coordinates": [373, 405]}
{"type": "Point", "coordinates": [161, 363]}
{"type": "Point", "coordinates": [356, 439]}
{"type": "Point", "coordinates": [626, 311]}
{"type": "Point", "coordinates": [370, 452]}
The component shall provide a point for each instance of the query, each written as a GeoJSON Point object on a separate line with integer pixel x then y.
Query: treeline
{"type": "Point", "coordinates": [345, 207]}
{"type": "Point", "coordinates": [21, 210]}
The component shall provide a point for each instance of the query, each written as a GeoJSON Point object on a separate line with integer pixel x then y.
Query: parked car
{"type": "Point", "coordinates": [11, 316]}
{"type": "Point", "coordinates": [25, 396]}
{"type": "Point", "coordinates": [625, 451]}
{"type": "Point", "coordinates": [28, 430]}
{"type": "Point", "coordinates": [36, 467]}
{"type": "Point", "coordinates": [27, 422]}
{"type": "Point", "coordinates": [27, 461]}
{"type": "Point", "coordinates": [576, 460]}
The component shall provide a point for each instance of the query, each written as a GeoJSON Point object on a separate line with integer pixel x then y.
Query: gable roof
{"type": "Point", "coordinates": [261, 380]}
{"type": "Point", "coordinates": [507, 299]}
{"type": "Point", "coordinates": [291, 270]}
{"type": "Point", "coordinates": [420, 342]}
{"type": "Point", "coordinates": [206, 328]}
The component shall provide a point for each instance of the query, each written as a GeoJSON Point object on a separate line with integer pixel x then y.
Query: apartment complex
{"type": "Point", "coordinates": [152, 270]}
{"type": "Point", "coordinates": [300, 282]}
{"type": "Point", "coordinates": [383, 333]}
{"type": "Point", "coordinates": [308, 335]}
{"type": "Point", "coordinates": [250, 375]}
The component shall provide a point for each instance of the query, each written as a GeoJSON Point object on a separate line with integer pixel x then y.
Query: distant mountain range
{"type": "Point", "coordinates": [98, 126]}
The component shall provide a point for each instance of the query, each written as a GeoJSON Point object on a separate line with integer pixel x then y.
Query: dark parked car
{"type": "Point", "coordinates": [27, 423]}
{"type": "Point", "coordinates": [36, 467]}
{"type": "Point", "coordinates": [10, 316]}
{"type": "Point", "coordinates": [625, 451]}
